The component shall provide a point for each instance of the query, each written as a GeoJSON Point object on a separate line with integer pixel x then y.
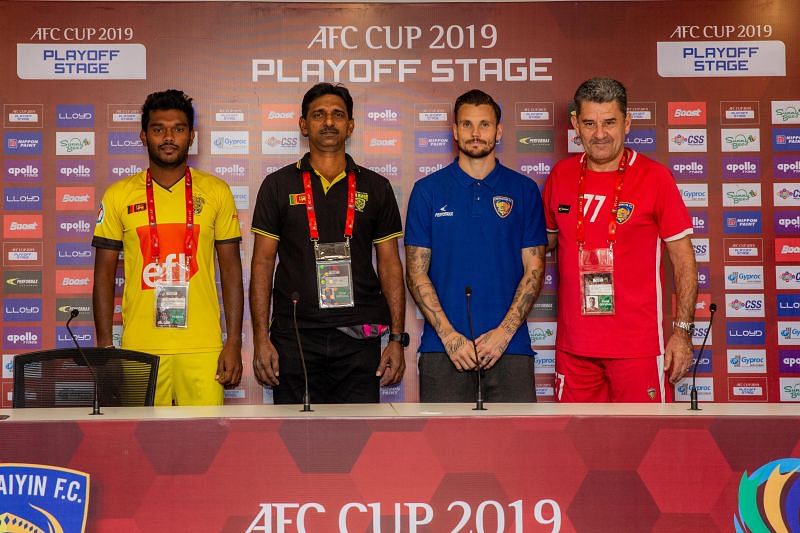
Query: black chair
{"type": "Point", "coordinates": [60, 378]}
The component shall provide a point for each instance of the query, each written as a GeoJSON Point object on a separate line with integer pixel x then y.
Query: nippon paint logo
{"type": "Point", "coordinates": [747, 361]}
{"type": "Point", "coordinates": [741, 194]}
{"type": "Point", "coordinates": [688, 167]}
{"type": "Point", "coordinates": [738, 222]}
{"type": "Point", "coordinates": [23, 169]}
{"type": "Point", "coordinates": [748, 167]}
{"type": "Point", "coordinates": [75, 116]}
{"type": "Point", "coordinates": [744, 305]}
{"type": "Point", "coordinates": [694, 194]}
{"type": "Point", "coordinates": [740, 140]}
{"type": "Point", "coordinates": [785, 139]}
{"type": "Point", "coordinates": [22, 143]}
{"type": "Point", "coordinates": [75, 170]}
{"type": "Point", "coordinates": [432, 142]}
{"type": "Point", "coordinates": [744, 277]}
{"type": "Point", "coordinates": [688, 140]}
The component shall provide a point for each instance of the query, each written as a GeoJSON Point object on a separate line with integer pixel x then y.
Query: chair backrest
{"type": "Point", "coordinates": [60, 378]}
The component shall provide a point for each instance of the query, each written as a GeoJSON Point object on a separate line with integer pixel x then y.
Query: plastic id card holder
{"type": "Point", "coordinates": [334, 275]}
{"type": "Point", "coordinates": [171, 304]}
{"type": "Point", "coordinates": [596, 271]}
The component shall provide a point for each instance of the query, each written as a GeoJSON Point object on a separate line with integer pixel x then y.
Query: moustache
{"type": "Point", "coordinates": [329, 130]}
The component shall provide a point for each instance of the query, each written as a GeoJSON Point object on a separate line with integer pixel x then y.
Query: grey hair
{"type": "Point", "coordinates": [601, 91]}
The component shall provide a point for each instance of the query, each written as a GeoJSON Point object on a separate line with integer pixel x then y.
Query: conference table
{"type": "Point", "coordinates": [403, 467]}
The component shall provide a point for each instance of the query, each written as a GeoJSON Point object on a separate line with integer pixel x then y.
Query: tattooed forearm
{"type": "Point", "coordinates": [418, 261]}
{"type": "Point", "coordinates": [527, 290]}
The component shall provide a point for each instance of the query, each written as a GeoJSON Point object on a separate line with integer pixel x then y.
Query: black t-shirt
{"type": "Point", "coordinates": [280, 213]}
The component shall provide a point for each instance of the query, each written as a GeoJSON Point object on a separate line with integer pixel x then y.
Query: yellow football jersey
{"type": "Point", "coordinates": [122, 223]}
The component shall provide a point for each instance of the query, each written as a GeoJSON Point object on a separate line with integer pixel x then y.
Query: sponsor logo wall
{"type": "Point", "coordinates": [736, 162]}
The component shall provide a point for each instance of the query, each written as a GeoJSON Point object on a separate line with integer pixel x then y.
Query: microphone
{"type": "Point", "coordinates": [96, 403]}
{"type": "Point", "coordinates": [479, 393]}
{"type": "Point", "coordinates": [306, 394]}
{"type": "Point", "coordinates": [693, 393]}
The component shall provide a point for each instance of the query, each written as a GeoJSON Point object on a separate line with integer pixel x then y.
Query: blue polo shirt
{"type": "Point", "coordinates": [476, 230]}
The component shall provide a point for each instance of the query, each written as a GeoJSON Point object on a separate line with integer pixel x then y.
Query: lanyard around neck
{"type": "Point", "coordinates": [612, 224]}
{"type": "Point", "coordinates": [155, 243]}
{"type": "Point", "coordinates": [311, 214]}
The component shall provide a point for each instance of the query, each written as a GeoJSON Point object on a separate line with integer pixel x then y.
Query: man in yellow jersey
{"type": "Point", "coordinates": [322, 217]}
{"type": "Point", "coordinates": [168, 220]}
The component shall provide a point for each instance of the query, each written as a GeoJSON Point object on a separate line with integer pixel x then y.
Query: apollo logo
{"type": "Point", "coordinates": [27, 171]}
{"type": "Point", "coordinates": [80, 171]}
{"type": "Point", "coordinates": [232, 170]}
{"type": "Point", "coordinates": [126, 171]}
{"type": "Point", "coordinates": [538, 168]}
{"type": "Point", "coordinates": [385, 115]}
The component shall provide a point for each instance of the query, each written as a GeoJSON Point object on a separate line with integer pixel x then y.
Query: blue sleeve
{"type": "Point", "coordinates": [418, 218]}
{"type": "Point", "coordinates": [535, 233]}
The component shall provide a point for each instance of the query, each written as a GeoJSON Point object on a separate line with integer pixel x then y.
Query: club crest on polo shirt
{"type": "Point", "coordinates": [198, 202]}
{"type": "Point", "coordinates": [624, 212]}
{"type": "Point", "coordinates": [361, 201]}
{"type": "Point", "coordinates": [502, 205]}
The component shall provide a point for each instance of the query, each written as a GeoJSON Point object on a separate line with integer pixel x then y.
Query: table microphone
{"type": "Point", "coordinates": [306, 394]}
{"type": "Point", "coordinates": [479, 393]}
{"type": "Point", "coordinates": [693, 393]}
{"type": "Point", "coordinates": [96, 403]}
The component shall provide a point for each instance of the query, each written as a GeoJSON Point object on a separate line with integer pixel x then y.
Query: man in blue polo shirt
{"type": "Point", "coordinates": [475, 227]}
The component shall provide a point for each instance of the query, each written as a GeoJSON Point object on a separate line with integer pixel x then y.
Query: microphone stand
{"type": "Point", "coordinates": [96, 402]}
{"type": "Point", "coordinates": [479, 396]}
{"type": "Point", "coordinates": [306, 394]}
{"type": "Point", "coordinates": [693, 403]}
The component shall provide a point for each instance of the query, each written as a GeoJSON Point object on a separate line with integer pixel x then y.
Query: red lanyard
{"type": "Point", "coordinates": [155, 243]}
{"type": "Point", "coordinates": [313, 230]}
{"type": "Point", "coordinates": [612, 224]}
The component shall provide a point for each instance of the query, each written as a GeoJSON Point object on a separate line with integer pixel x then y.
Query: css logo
{"type": "Point", "coordinates": [776, 509]}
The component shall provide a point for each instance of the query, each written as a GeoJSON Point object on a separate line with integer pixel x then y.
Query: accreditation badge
{"type": "Point", "coordinates": [596, 271]}
{"type": "Point", "coordinates": [171, 304]}
{"type": "Point", "coordinates": [334, 275]}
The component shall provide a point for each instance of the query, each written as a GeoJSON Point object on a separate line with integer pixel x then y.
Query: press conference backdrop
{"type": "Point", "coordinates": [713, 89]}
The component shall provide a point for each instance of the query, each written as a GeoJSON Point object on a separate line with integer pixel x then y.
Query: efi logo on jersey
{"type": "Point", "coordinates": [741, 167]}
{"type": "Point", "coordinates": [22, 338]}
{"type": "Point", "coordinates": [688, 167]}
{"type": "Point", "coordinates": [742, 221]}
{"type": "Point", "coordinates": [641, 140]}
{"type": "Point", "coordinates": [83, 334]}
{"type": "Point", "coordinates": [432, 142]}
{"type": "Point", "coordinates": [789, 305]}
{"type": "Point", "coordinates": [787, 222]}
{"type": "Point", "coordinates": [46, 498]}
{"type": "Point", "coordinates": [704, 367]}
{"type": "Point", "coordinates": [789, 361]}
{"type": "Point", "coordinates": [22, 198]}
{"type": "Point", "coordinates": [22, 310]}
{"type": "Point", "coordinates": [746, 333]}
{"type": "Point", "coordinates": [785, 139]}
{"type": "Point", "coordinates": [75, 116]}
{"type": "Point", "coordinates": [74, 253]}
{"type": "Point", "coordinates": [24, 170]}
{"type": "Point", "coordinates": [703, 278]}
{"type": "Point", "coordinates": [22, 143]}
{"type": "Point", "coordinates": [125, 143]}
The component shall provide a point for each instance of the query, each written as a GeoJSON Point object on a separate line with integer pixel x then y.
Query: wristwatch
{"type": "Point", "coordinates": [402, 338]}
{"type": "Point", "coordinates": [688, 327]}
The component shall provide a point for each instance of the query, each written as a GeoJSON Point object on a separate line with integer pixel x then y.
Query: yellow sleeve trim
{"type": "Point", "coordinates": [264, 233]}
{"type": "Point", "coordinates": [388, 237]}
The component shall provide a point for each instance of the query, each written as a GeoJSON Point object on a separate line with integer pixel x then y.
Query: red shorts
{"type": "Point", "coordinates": [603, 379]}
